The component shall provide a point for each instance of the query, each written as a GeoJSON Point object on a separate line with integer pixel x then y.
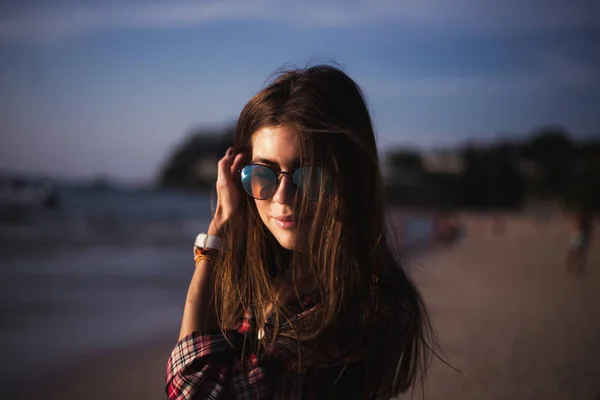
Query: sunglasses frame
{"type": "Point", "coordinates": [277, 176]}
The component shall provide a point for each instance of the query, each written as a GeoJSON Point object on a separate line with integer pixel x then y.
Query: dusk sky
{"type": "Point", "coordinates": [110, 87]}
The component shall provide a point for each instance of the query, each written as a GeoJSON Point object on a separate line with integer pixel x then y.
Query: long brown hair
{"type": "Point", "coordinates": [369, 311]}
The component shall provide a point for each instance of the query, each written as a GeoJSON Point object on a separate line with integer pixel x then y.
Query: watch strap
{"type": "Point", "coordinates": [205, 241]}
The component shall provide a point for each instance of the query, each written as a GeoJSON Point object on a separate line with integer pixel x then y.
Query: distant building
{"type": "Point", "coordinates": [394, 174]}
{"type": "Point", "coordinates": [444, 162]}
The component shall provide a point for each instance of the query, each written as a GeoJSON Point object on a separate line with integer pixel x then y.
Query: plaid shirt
{"type": "Point", "coordinates": [208, 367]}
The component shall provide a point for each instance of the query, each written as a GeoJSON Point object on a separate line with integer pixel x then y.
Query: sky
{"type": "Point", "coordinates": [110, 88]}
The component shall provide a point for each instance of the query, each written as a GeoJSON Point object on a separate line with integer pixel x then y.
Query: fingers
{"type": "Point", "coordinates": [239, 161]}
{"type": "Point", "coordinates": [229, 166]}
{"type": "Point", "coordinates": [224, 168]}
{"type": "Point", "coordinates": [228, 195]}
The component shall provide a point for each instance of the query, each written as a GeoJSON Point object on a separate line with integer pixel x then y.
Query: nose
{"type": "Point", "coordinates": [286, 191]}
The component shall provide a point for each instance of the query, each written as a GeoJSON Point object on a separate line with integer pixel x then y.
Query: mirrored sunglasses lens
{"type": "Point", "coordinates": [311, 181]}
{"type": "Point", "coordinates": [259, 181]}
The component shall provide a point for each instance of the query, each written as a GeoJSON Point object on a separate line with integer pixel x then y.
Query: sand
{"type": "Point", "coordinates": [504, 309]}
{"type": "Point", "coordinates": [507, 314]}
{"type": "Point", "coordinates": [127, 373]}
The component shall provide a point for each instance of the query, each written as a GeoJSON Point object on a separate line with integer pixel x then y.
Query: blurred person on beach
{"type": "Point", "coordinates": [446, 229]}
{"type": "Point", "coordinates": [297, 292]}
{"type": "Point", "coordinates": [580, 240]}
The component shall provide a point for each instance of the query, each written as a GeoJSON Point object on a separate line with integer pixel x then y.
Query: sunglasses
{"type": "Point", "coordinates": [261, 182]}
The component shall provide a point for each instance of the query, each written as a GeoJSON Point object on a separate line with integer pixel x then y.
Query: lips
{"type": "Point", "coordinates": [285, 218]}
{"type": "Point", "coordinates": [288, 221]}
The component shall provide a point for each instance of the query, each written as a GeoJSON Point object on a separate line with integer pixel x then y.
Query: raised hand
{"type": "Point", "coordinates": [228, 191]}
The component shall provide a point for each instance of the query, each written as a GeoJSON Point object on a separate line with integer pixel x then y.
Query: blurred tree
{"type": "Point", "coordinates": [583, 190]}
{"type": "Point", "coordinates": [554, 155]}
{"type": "Point", "coordinates": [405, 160]}
{"type": "Point", "coordinates": [505, 183]}
{"type": "Point", "coordinates": [492, 177]}
{"type": "Point", "coordinates": [471, 187]}
{"type": "Point", "coordinates": [404, 177]}
{"type": "Point", "coordinates": [193, 163]}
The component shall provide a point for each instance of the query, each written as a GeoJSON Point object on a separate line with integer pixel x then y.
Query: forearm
{"type": "Point", "coordinates": [199, 311]}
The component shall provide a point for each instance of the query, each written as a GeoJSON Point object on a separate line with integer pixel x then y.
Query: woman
{"type": "Point", "coordinates": [296, 291]}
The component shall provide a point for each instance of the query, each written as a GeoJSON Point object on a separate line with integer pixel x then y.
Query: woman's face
{"type": "Point", "coordinates": [277, 148]}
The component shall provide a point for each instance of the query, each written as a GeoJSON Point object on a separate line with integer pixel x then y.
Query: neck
{"type": "Point", "coordinates": [298, 275]}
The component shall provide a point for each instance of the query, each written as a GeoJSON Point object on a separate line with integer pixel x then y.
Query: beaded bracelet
{"type": "Point", "coordinates": [201, 254]}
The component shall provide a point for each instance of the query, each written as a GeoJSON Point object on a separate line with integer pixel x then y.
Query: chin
{"type": "Point", "coordinates": [287, 240]}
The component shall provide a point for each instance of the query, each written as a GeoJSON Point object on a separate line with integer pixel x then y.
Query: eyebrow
{"type": "Point", "coordinates": [261, 160]}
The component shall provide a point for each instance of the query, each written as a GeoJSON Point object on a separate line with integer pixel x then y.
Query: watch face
{"type": "Point", "coordinates": [201, 240]}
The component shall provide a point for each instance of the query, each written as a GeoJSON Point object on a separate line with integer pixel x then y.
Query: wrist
{"type": "Point", "coordinates": [206, 247]}
{"type": "Point", "coordinates": [213, 229]}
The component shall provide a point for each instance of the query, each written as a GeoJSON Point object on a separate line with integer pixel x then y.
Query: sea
{"type": "Point", "coordinates": [105, 268]}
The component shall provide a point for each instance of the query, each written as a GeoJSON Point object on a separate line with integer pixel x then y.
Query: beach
{"type": "Point", "coordinates": [91, 321]}
{"type": "Point", "coordinates": [505, 312]}
{"type": "Point", "coordinates": [508, 315]}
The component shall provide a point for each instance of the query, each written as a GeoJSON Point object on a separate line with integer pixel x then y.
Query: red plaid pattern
{"type": "Point", "coordinates": [208, 367]}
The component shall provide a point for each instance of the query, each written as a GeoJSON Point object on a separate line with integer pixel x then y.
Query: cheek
{"type": "Point", "coordinates": [263, 210]}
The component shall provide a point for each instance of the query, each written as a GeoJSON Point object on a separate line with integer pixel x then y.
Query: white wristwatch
{"type": "Point", "coordinates": [205, 241]}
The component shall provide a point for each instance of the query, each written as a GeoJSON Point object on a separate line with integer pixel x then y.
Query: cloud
{"type": "Point", "coordinates": [485, 16]}
{"type": "Point", "coordinates": [558, 72]}
{"type": "Point", "coordinates": [567, 71]}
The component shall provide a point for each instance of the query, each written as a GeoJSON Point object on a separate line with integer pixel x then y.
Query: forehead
{"type": "Point", "coordinates": [276, 143]}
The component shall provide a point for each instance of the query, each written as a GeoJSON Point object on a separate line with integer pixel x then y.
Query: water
{"type": "Point", "coordinates": [107, 269]}
{"type": "Point", "coordinates": [90, 215]}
